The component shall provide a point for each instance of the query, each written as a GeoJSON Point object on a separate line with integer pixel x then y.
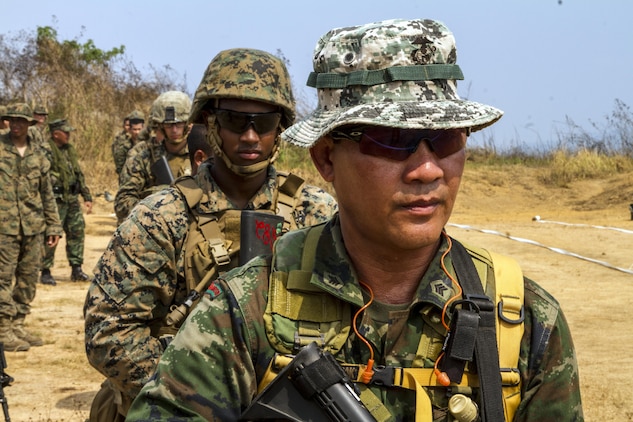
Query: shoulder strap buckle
{"type": "Point", "coordinates": [218, 251]}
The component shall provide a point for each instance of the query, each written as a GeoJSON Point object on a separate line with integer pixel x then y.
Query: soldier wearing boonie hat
{"type": "Point", "coordinates": [28, 219]}
{"type": "Point", "coordinates": [19, 111]}
{"type": "Point", "coordinates": [69, 183]}
{"type": "Point", "coordinates": [40, 114]}
{"type": "Point", "coordinates": [381, 285]}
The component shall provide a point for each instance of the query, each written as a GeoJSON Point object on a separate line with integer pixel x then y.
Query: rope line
{"type": "Point", "coordinates": [535, 243]}
{"type": "Point", "coordinates": [617, 229]}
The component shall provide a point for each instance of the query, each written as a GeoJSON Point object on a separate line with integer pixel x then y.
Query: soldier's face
{"type": "Point", "coordinates": [248, 146]}
{"type": "Point", "coordinates": [18, 126]}
{"type": "Point", "coordinates": [135, 129]}
{"type": "Point", "coordinates": [174, 131]}
{"type": "Point", "coordinates": [41, 118]}
{"type": "Point", "coordinates": [60, 137]}
{"type": "Point", "coordinates": [397, 206]}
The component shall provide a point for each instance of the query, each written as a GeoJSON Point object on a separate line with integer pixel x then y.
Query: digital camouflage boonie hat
{"type": "Point", "coordinates": [60, 124]}
{"type": "Point", "coordinates": [20, 110]}
{"type": "Point", "coordinates": [245, 74]}
{"type": "Point", "coordinates": [394, 73]}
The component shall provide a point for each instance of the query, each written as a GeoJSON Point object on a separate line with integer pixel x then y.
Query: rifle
{"type": "Point", "coordinates": [5, 381]}
{"type": "Point", "coordinates": [312, 387]}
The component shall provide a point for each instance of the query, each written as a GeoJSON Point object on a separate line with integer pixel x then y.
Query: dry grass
{"type": "Point", "coordinates": [564, 168]}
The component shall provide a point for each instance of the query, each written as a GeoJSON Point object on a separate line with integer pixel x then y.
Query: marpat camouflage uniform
{"type": "Point", "coordinates": [68, 183]}
{"type": "Point", "coordinates": [28, 214]}
{"type": "Point", "coordinates": [120, 146]}
{"type": "Point", "coordinates": [212, 369]}
{"type": "Point", "coordinates": [136, 180]}
{"type": "Point", "coordinates": [141, 275]}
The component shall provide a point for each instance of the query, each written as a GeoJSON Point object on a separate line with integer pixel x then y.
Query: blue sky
{"type": "Point", "coordinates": [540, 61]}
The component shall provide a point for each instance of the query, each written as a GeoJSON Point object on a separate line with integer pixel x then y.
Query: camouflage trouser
{"type": "Point", "coordinates": [20, 257]}
{"type": "Point", "coordinates": [74, 224]}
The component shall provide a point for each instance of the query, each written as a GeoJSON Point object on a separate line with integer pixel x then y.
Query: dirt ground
{"type": "Point", "coordinates": [579, 250]}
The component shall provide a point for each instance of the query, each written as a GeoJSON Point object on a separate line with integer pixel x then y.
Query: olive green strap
{"type": "Point", "coordinates": [425, 72]}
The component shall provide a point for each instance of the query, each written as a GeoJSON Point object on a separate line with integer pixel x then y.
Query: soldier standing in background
{"type": "Point", "coordinates": [120, 138]}
{"type": "Point", "coordinates": [68, 184]}
{"type": "Point", "coordinates": [40, 114]}
{"type": "Point", "coordinates": [154, 165]}
{"type": "Point", "coordinates": [28, 216]}
{"type": "Point", "coordinates": [122, 144]}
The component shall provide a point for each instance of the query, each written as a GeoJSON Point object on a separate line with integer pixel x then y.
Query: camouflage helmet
{"type": "Point", "coordinates": [245, 74]}
{"type": "Point", "coordinates": [171, 107]}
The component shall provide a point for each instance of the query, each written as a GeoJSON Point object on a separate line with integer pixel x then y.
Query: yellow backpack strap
{"type": "Point", "coordinates": [288, 197]}
{"type": "Point", "coordinates": [509, 290]}
{"type": "Point", "coordinates": [505, 283]}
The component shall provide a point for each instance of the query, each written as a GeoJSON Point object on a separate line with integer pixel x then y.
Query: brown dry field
{"type": "Point", "coordinates": [55, 383]}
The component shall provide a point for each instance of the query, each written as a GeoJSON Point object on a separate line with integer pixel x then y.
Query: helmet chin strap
{"type": "Point", "coordinates": [213, 136]}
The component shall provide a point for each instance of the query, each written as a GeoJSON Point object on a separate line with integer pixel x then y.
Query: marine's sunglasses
{"type": "Point", "coordinates": [399, 144]}
{"type": "Point", "coordinates": [238, 122]}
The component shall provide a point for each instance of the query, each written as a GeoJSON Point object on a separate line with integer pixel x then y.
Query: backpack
{"type": "Point", "coordinates": [212, 242]}
{"type": "Point", "coordinates": [306, 314]}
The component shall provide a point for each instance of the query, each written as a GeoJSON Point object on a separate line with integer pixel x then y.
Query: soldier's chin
{"type": "Point", "coordinates": [175, 141]}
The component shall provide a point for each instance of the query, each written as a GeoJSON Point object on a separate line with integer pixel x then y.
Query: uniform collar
{"type": "Point", "coordinates": [335, 274]}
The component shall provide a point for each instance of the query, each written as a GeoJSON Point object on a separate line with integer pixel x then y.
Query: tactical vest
{"type": "Point", "coordinates": [298, 313]}
{"type": "Point", "coordinates": [212, 243]}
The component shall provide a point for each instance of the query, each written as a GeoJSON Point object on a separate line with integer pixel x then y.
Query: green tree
{"type": "Point", "coordinates": [75, 79]}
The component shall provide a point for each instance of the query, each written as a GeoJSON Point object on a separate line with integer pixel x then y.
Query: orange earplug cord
{"type": "Point", "coordinates": [442, 377]}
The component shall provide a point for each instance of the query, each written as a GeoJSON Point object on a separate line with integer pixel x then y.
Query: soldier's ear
{"type": "Point", "coordinates": [321, 154]}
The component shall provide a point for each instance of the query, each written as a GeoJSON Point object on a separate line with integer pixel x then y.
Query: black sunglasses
{"type": "Point", "coordinates": [238, 122]}
{"type": "Point", "coordinates": [399, 144]}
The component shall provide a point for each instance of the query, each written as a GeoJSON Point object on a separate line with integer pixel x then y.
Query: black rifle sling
{"type": "Point", "coordinates": [486, 353]}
